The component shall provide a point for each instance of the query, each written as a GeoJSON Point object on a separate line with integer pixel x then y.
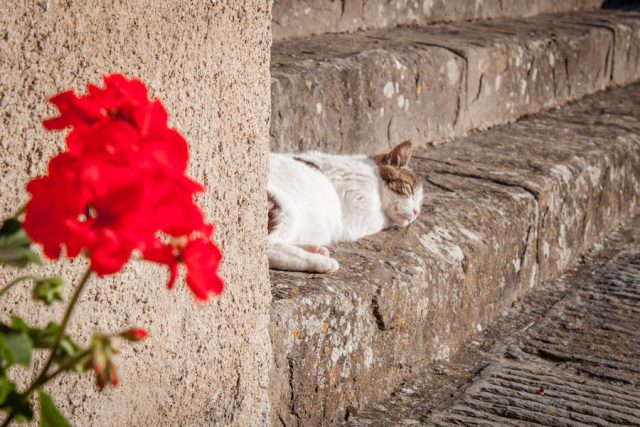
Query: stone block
{"type": "Point", "coordinates": [365, 92]}
{"type": "Point", "coordinates": [304, 18]}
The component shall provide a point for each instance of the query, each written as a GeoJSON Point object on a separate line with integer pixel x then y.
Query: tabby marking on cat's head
{"type": "Point", "coordinates": [275, 210]}
{"type": "Point", "coordinates": [401, 193]}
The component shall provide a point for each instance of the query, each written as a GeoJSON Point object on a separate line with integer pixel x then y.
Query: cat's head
{"type": "Point", "coordinates": [401, 188]}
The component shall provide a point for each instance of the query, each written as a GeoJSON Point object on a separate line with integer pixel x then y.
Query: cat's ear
{"type": "Point", "coordinates": [380, 159]}
{"type": "Point", "coordinates": [400, 155]}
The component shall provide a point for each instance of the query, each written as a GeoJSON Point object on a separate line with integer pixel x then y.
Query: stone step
{"type": "Point", "coordinates": [304, 18]}
{"type": "Point", "coordinates": [568, 354]}
{"type": "Point", "coordinates": [504, 210]}
{"type": "Point", "coordinates": [367, 91]}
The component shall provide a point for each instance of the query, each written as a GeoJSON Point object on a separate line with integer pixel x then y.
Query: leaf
{"type": "Point", "coordinates": [17, 324]}
{"type": "Point", "coordinates": [15, 245]}
{"type": "Point", "coordinates": [16, 347]}
{"type": "Point", "coordinates": [10, 226]}
{"type": "Point", "coordinates": [50, 416]}
{"type": "Point", "coordinates": [69, 350]}
{"type": "Point", "coordinates": [6, 388]}
{"type": "Point", "coordinates": [41, 338]}
{"type": "Point", "coordinates": [44, 338]}
{"type": "Point", "coordinates": [22, 407]}
{"type": "Point", "coordinates": [48, 289]}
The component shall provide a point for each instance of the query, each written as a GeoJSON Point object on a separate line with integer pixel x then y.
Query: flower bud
{"type": "Point", "coordinates": [135, 334]}
{"type": "Point", "coordinates": [113, 374]}
{"type": "Point", "coordinates": [114, 348]}
{"type": "Point", "coordinates": [100, 381]}
{"type": "Point", "coordinates": [99, 360]}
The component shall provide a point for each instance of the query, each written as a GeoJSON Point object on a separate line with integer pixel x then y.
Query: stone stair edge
{"type": "Point", "coordinates": [334, 334]}
{"type": "Point", "coordinates": [305, 18]}
{"type": "Point", "coordinates": [539, 334]}
{"type": "Point", "coordinates": [376, 89]}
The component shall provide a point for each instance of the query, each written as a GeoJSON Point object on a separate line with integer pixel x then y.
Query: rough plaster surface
{"type": "Point", "coordinates": [301, 18]}
{"type": "Point", "coordinates": [368, 91]}
{"type": "Point", "coordinates": [209, 63]}
{"type": "Point", "coordinates": [504, 210]}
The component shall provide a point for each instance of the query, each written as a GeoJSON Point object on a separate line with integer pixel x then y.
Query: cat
{"type": "Point", "coordinates": [316, 199]}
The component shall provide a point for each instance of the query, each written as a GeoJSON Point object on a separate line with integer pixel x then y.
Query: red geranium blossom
{"type": "Point", "coordinates": [200, 256]}
{"type": "Point", "coordinates": [121, 186]}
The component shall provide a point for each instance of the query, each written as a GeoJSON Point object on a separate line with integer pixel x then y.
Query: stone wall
{"type": "Point", "coordinates": [209, 63]}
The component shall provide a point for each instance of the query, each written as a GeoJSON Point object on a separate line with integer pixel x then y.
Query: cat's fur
{"type": "Point", "coordinates": [316, 199]}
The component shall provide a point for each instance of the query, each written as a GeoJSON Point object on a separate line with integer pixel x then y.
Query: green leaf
{"type": "Point", "coordinates": [22, 407]}
{"type": "Point", "coordinates": [68, 347]}
{"type": "Point", "coordinates": [48, 289]}
{"type": "Point", "coordinates": [69, 350]}
{"type": "Point", "coordinates": [16, 347]}
{"type": "Point", "coordinates": [6, 388]}
{"type": "Point", "coordinates": [17, 324]}
{"type": "Point", "coordinates": [10, 226]}
{"type": "Point", "coordinates": [50, 416]}
{"type": "Point", "coordinates": [44, 338]}
{"type": "Point", "coordinates": [15, 245]}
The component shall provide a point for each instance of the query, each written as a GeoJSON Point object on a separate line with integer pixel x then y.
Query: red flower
{"type": "Point", "coordinates": [120, 185]}
{"type": "Point", "coordinates": [201, 258]}
{"type": "Point", "coordinates": [122, 99]}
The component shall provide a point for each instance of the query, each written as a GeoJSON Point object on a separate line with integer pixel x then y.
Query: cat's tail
{"type": "Point", "coordinates": [312, 259]}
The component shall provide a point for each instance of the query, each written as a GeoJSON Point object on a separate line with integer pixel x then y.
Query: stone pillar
{"type": "Point", "coordinates": [208, 61]}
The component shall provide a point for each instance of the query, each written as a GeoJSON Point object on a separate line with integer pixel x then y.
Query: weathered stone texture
{"type": "Point", "coordinates": [568, 355]}
{"type": "Point", "coordinates": [303, 18]}
{"type": "Point", "coordinates": [505, 210]}
{"type": "Point", "coordinates": [368, 91]}
{"type": "Point", "coordinates": [209, 63]}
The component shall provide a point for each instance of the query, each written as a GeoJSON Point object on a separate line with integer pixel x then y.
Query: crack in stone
{"type": "Point", "coordinates": [480, 84]}
{"type": "Point", "coordinates": [523, 253]}
{"type": "Point", "coordinates": [292, 405]}
{"type": "Point", "coordinates": [503, 182]}
{"type": "Point", "coordinates": [465, 75]}
{"type": "Point", "coordinates": [375, 309]}
{"type": "Point", "coordinates": [440, 186]}
{"type": "Point", "coordinates": [555, 81]}
{"type": "Point", "coordinates": [566, 72]}
{"type": "Point", "coordinates": [612, 47]}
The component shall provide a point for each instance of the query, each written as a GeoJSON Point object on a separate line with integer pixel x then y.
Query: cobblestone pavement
{"type": "Point", "coordinates": [568, 355]}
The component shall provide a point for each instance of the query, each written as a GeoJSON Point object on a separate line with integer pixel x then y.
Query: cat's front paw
{"type": "Point", "coordinates": [317, 250]}
{"type": "Point", "coordinates": [325, 265]}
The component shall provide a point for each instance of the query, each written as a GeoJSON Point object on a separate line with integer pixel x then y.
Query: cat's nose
{"type": "Point", "coordinates": [416, 211]}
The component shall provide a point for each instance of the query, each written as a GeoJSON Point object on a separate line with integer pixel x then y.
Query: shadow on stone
{"type": "Point", "coordinates": [621, 4]}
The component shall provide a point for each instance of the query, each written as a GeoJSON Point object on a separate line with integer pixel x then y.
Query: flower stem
{"type": "Point", "coordinates": [15, 282]}
{"type": "Point", "coordinates": [70, 363]}
{"type": "Point", "coordinates": [43, 377]}
{"type": "Point", "coordinates": [10, 417]}
{"type": "Point", "coordinates": [63, 325]}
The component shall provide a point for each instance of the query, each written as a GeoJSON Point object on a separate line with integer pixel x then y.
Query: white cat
{"type": "Point", "coordinates": [316, 199]}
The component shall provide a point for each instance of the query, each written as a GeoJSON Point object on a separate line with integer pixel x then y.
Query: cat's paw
{"type": "Point", "coordinates": [325, 265]}
{"type": "Point", "coordinates": [321, 250]}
